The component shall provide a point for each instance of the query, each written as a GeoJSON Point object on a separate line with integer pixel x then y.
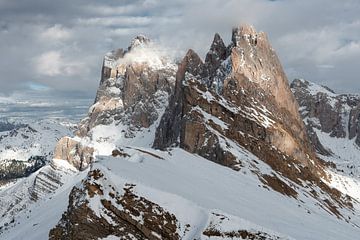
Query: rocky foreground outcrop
{"type": "Point", "coordinates": [132, 216]}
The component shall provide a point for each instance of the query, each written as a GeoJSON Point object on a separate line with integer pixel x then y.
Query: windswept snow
{"type": "Point", "coordinates": [205, 184]}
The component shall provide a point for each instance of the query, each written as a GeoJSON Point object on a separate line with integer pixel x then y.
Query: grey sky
{"type": "Point", "coordinates": [57, 46]}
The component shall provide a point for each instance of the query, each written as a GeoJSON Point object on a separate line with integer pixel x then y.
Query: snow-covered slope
{"type": "Point", "coordinates": [36, 138]}
{"type": "Point", "coordinates": [25, 146]}
{"type": "Point", "coordinates": [25, 196]}
{"type": "Point", "coordinates": [204, 198]}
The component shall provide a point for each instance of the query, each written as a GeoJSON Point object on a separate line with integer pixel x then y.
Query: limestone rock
{"type": "Point", "coordinates": [252, 98]}
{"type": "Point", "coordinates": [323, 109]}
{"type": "Point", "coordinates": [132, 216]}
{"type": "Point", "coordinates": [218, 53]}
{"type": "Point", "coordinates": [134, 87]}
{"type": "Point", "coordinates": [253, 57]}
{"type": "Point", "coordinates": [74, 152]}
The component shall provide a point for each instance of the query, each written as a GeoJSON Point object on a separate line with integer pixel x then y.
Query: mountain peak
{"type": "Point", "coordinates": [311, 87]}
{"type": "Point", "coordinates": [139, 41]}
{"type": "Point", "coordinates": [217, 42]}
{"type": "Point", "coordinates": [217, 53]}
{"type": "Point", "coordinates": [244, 32]}
{"type": "Point", "coordinates": [193, 63]}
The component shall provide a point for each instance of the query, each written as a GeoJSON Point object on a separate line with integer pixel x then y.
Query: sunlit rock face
{"type": "Point", "coordinates": [240, 92]}
{"type": "Point", "coordinates": [77, 154]}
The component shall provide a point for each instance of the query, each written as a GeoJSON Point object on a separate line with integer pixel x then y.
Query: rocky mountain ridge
{"type": "Point", "coordinates": [332, 121]}
{"type": "Point", "coordinates": [322, 108]}
{"type": "Point", "coordinates": [199, 150]}
{"type": "Point", "coordinates": [213, 121]}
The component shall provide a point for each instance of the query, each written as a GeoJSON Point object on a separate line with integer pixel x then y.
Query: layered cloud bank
{"type": "Point", "coordinates": [59, 45]}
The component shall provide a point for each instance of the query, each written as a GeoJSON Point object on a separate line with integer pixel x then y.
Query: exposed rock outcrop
{"type": "Point", "coordinates": [135, 85]}
{"type": "Point", "coordinates": [74, 152]}
{"type": "Point", "coordinates": [323, 109]}
{"type": "Point", "coordinates": [134, 90]}
{"type": "Point", "coordinates": [126, 215]}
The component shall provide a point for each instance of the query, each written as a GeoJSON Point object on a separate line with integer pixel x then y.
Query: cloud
{"type": "Point", "coordinates": [52, 64]}
{"type": "Point", "coordinates": [61, 44]}
{"type": "Point", "coordinates": [326, 66]}
{"type": "Point", "coordinates": [56, 33]}
{"type": "Point", "coordinates": [49, 64]}
{"type": "Point", "coordinates": [119, 21]}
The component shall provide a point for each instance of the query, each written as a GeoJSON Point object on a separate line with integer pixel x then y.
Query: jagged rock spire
{"type": "Point", "coordinates": [244, 32]}
{"type": "Point", "coordinates": [216, 54]}
{"type": "Point", "coordinates": [217, 50]}
{"type": "Point", "coordinates": [194, 64]}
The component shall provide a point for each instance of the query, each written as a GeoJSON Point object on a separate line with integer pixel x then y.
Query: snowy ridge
{"type": "Point", "coordinates": [190, 226]}
{"type": "Point", "coordinates": [21, 195]}
{"type": "Point", "coordinates": [315, 89]}
{"type": "Point", "coordinates": [341, 145]}
{"type": "Point", "coordinates": [182, 181]}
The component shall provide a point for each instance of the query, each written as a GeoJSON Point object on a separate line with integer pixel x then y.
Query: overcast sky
{"type": "Point", "coordinates": [57, 46]}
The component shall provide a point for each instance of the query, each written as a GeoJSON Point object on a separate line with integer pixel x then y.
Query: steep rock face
{"type": "Point", "coordinates": [74, 152]}
{"type": "Point", "coordinates": [237, 101]}
{"type": "Point", "coordinates": [133, 93]}
{"type": "Point", "coordinates": [134, 85]}
{"type": "Point", "coordinates": [256, 60]}
{"type": "Point", "coordinates": [323, 109]}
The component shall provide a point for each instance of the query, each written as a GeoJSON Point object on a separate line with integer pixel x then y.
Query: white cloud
{"type": "Point", "coordinates": [105, 10]}
{"type": "Point", "coordinates": [49, 64]}
{"type": "Point", "coordinates": [56, 33]}
{"type": "Point", "coordinates": [70, 38]}
{"type": "Point", "coordinates": [116, 21]}
{"type": "Point", "coordinates": [53, 64]}
{"type": "Point", "coordinates": [326, 66]}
